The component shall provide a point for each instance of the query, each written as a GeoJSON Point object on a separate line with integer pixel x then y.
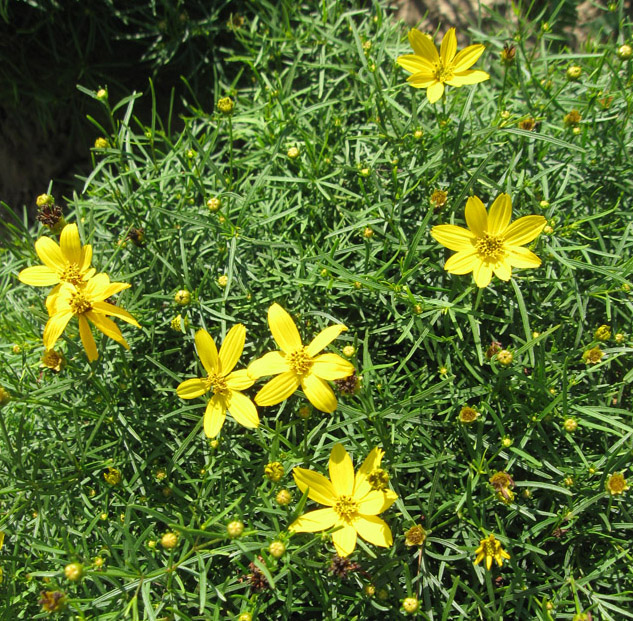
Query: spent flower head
{"type": "Point", "coordinates": [352, 506]}
{"type": "Point", "coordinates": [490, 244]}
{"type": "Point", "coordinates": [53, 360]}
{"type": "Point", "coordinates": [593, 355]}
{"type": "Point", "coordinates": [52, 601]}
{"type": "Point", "coordinates": [415, 536]}
{"type": "Point", "coordinates": [433, 71]}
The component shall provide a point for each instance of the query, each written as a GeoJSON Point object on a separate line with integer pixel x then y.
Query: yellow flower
{"type": "Point", "coordinates": [225, 383]}
{"type": "Point", "coordinates": [297, 364]}
{"type": "Point", "coordinates": [491, 243]}
{"type": "Point", "coordinates": [431, 70]}
{"type": "Point", "coordinates": [616, 484]}
{"type": "Point", "coordinates": [69, 262]}
{"type": "Point", "coordinates": [352, 505]}
{"type": "Point", "coordinates": [490, 549]}
{"type": "Point", "coordinates": [87, 304]}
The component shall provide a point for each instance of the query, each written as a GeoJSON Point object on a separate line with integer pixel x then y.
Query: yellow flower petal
{"type": "Point", "coordinates": [453, 237]}
{"type": "Point", "coordinates": [87, 339]}
{"type": "Point", "coordinates": [50, 254]}
{"type": "Point", "coordinates": [51, 300]}
{"type": "Point", "coordinates": [239, 380]}
{"type": "Point", "coordinates": [324, 338]}
{"type": "Point", "coordinates": [107, 326]}
{"type": "Point", "coordinates": [341, 471]}
{"type": "Point", "coordinates": [344, 540]}
{"type": "Point", "coordinates": [70, 244]}
{"type": "Point", "coordinates": [86, 258]}
{"type": "Point", "coordinates": [192, 388]}
{"type": "Point", "coordinates": [319, 393]}
{"type": "Point", "coordinates": [232, 348]}
{"type": "Point", "coordinates": [503, 270]}
{"type": "Point", "coordinates": [277, 389]}
{"type": "Point", "coordinates": [283, 329]}
{"type": "Point", "coordinates": [500, 214]}
{"type": "Point", "coordinates": [331, 367]}
{"type": "Point", "coordinates": [111, 289]}
{"type": "Point", "coordinates": [462, 262]}
{"type": "Point", "coordinates": [448, 47]}
{"type": "Point", "coordinates": [320, 488]}
{"type": "Point", "coordinates": [467, 57]}
{"type": "Point", "coordinates": [488, 562]}
{"type": "Point", "coordinates": [55, 326]}
{"type": "Point", "coordinates": [314, 521]}
{"type": "Point", "coordinates": [482, 274]}
{"type": "Point", "coordinates": [272, 363]}
{"type": "Point", "coordinates": [207, 351]}
{"type": "Point", "coordinates": [524, 230]}
{"type": "Point", "coordinates": [468, 77]}
{"type": "Point", "coordinates": [476, 216]}
{"type": "Point", "coordinates": [372, 461]}
{"type": "Point", "coordinates": [214, 416]}
{"type": "Point", "coordinates": [415, 63]}
{"type": "Point", "coordinates": [38, 276]}
{"type": "Point", "coordinates": [423, 45]}
{"type": "Point", "coordinates": [522, 257]}
{"type": "Point", "coordinates": [105, 308]}
{"type": "Point", "coordinates": [374, 530]}
{"type": "Point", "coordinates": [434, 91]}
{"type": "Point", "coordinates": [242, 410]}
{"type": "Point", "coordinates": [376, 502]}
{"type": "Point", "coordinates": [421, 80]}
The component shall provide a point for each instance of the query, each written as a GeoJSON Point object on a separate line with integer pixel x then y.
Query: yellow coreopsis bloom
{"type": "Point", "coordinates": [352, 504]}
{"type": "Point", "coordinates": [87, 303]}
{"type": "Point", "coordinates": [69, 262]}
{"type": "Point", "coordinates": [225, 383]}
{"type": "Point", "coordinates": [432, 71]}
{"type": "Point", "coordinates": [491, 243]}
{"type": "Point", "coordinates": [299, 365]}
{"type": "Point", "coordinates": [490, 549]}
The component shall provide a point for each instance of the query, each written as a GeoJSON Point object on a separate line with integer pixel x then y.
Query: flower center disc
{"type": "Point", "coordinates": [218, 383]}
{"type": "Point", "coordinates": [72, 275]}
{"type": "Point", "coordinates": [490, 548]}
{"type": "Point", "coordinates": [442, 73]}
{"type": "Point", "coordinates": [490, 247]}
{"type": "Point", "coordinates": [300, 362]}
{"type": "Point", "coordinates": [79, 303]}
{"type": "Point", "coordinates": [346, 507]}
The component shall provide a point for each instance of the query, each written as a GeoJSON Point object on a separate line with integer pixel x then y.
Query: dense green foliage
{"type": "Point", "coordinates": [339, 233]}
